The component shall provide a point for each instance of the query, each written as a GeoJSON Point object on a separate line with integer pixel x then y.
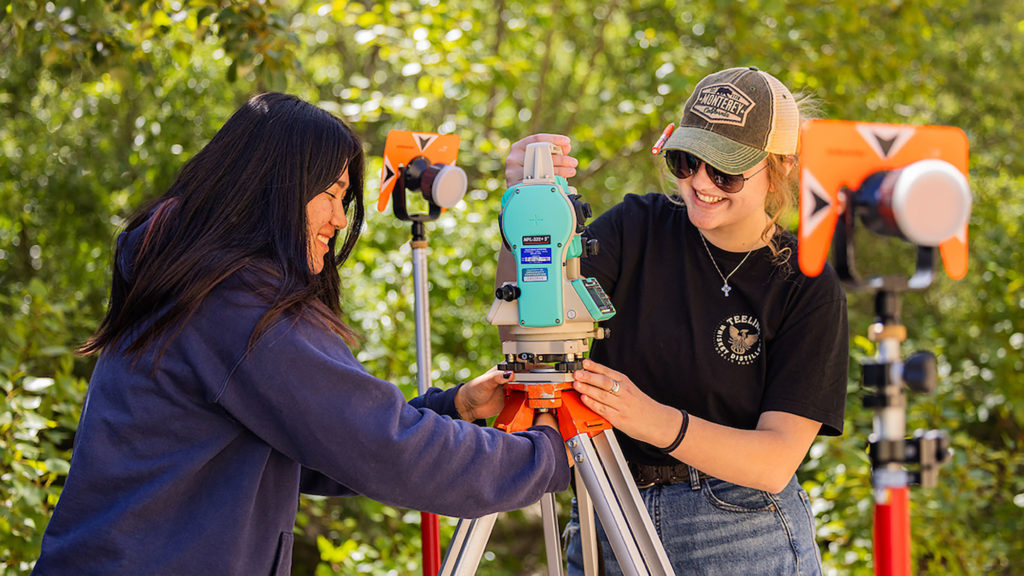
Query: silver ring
{"type": "Point", "coordinates": [615, 386]}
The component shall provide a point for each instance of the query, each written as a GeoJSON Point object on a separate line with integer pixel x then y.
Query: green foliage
{"type": "Point", "coordinates": [38, 416]}
{"type": "Point", "coordinates": [101, 103]}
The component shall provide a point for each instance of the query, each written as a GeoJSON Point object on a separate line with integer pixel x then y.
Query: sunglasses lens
{"type": "Point", "coordinates": [681, 164]}
{"type": "Point", "coordinates": [675, 162]}
{"type": "Point", "coordinates": [728, 183]}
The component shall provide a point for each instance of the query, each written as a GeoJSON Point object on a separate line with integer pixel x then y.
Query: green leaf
{"type": "Point", "coordinates": [31, 384]}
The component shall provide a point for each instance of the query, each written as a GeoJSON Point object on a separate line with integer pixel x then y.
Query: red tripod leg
{"type": "Point", "coordinates": [892, 533]}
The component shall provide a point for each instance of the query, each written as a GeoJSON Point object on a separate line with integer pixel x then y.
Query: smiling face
{"type": "Point", "coordinates": [732, 222]}
{"type": "Point", "coordinates": [325, 215]}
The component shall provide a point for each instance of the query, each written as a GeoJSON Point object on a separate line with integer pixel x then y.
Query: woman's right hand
{"type": "Point", "coordinates": [564, 164]}
{"type": "Point", "coordinates": [483, 396]}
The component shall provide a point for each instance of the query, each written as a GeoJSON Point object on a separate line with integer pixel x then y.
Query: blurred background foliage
{"type": "Point", "coordinates": [102, 102]}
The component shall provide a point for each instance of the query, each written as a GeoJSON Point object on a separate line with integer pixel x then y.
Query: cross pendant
{"type": "Point", "coordinates": [726, 289]}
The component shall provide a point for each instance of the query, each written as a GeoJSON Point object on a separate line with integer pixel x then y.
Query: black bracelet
{"type": "Point", "coordinates": [679, 437]}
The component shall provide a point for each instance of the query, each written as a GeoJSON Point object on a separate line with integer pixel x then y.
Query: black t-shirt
{"type": "Point", "coordinates": [779, 341]}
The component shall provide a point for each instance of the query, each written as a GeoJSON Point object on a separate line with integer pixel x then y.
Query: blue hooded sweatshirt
{"type": "Point", "coordinates": [196, 467]}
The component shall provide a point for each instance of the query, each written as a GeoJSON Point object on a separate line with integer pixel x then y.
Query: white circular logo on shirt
{"type": "Point", "coordinates": [738, 339]}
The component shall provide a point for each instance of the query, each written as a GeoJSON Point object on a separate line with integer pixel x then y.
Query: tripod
{"type": "Point", "coordinates": [602, 483]}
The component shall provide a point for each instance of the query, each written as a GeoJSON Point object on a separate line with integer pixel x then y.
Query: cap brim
{"type": "Point", "coordinates": [722, 153]}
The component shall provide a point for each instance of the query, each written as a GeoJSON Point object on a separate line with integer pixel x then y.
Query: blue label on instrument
{"type": "Point", "coordinates": [535, 275]}
{"type": "Point", "coordinates": [535, 256]}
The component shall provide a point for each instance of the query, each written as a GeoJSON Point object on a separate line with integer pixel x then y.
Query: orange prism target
{"type": "Point", "coordinates": [402, 146]}
{"type": "Point", "coordinates": [838, 154]}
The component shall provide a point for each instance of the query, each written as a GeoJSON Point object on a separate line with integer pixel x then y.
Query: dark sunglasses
{"type": "Point", "coordinates": [683, 165]}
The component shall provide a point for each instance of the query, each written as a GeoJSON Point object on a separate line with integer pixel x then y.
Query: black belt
{"type": "Point", "coordinates": [647, 476]}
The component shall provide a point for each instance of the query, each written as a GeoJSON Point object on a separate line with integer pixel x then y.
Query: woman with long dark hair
{"type": "Point", "coordinates": [225, 384]}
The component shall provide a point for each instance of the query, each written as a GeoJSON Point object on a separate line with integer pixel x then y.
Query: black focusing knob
{"type": "Point", "coordinates": [583, 211]}
{"type": "Point", "coordinates": [508, 292]}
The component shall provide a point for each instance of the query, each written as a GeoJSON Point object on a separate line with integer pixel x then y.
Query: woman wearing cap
{"type": "Point", "coordinates": [724, 361]}
{"type": "Point", "coordinates": [224, 384]}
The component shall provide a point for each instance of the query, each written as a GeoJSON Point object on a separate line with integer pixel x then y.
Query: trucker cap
{"type": "Point", "coordinates": [735, 118]}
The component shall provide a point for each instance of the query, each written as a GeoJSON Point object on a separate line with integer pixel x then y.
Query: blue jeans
{"type": "Point", "coordinates": [713, 527]}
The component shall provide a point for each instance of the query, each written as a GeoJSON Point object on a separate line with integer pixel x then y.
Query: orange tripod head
{"type": "Point", "coordinates": [523, 399]}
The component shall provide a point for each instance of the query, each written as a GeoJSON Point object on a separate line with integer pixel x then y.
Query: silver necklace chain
{"type": "Point", "coordinates": [725, 279]}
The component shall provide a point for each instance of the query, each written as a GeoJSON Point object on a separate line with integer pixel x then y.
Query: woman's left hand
{"type": "Point", "coordinates": [483, 396]}
{"type": "Point", "coordinates": [614, 396]}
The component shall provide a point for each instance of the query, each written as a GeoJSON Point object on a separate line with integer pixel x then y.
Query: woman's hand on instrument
{"type": "Point", "coordinates": [564, 164]}
{"type": "Point", "coordinates": [483, 396]}
{"type": "Point", "coordinates": [614, 396]}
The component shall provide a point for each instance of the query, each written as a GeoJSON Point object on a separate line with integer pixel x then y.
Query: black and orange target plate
{"type": "Point", "coordinates": [402, 146]}
{"type": "Point", "coordinates": [837, 154]}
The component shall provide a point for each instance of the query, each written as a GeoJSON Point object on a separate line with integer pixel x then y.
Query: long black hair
{"type": "Point", "coordinates": [239, 206]}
